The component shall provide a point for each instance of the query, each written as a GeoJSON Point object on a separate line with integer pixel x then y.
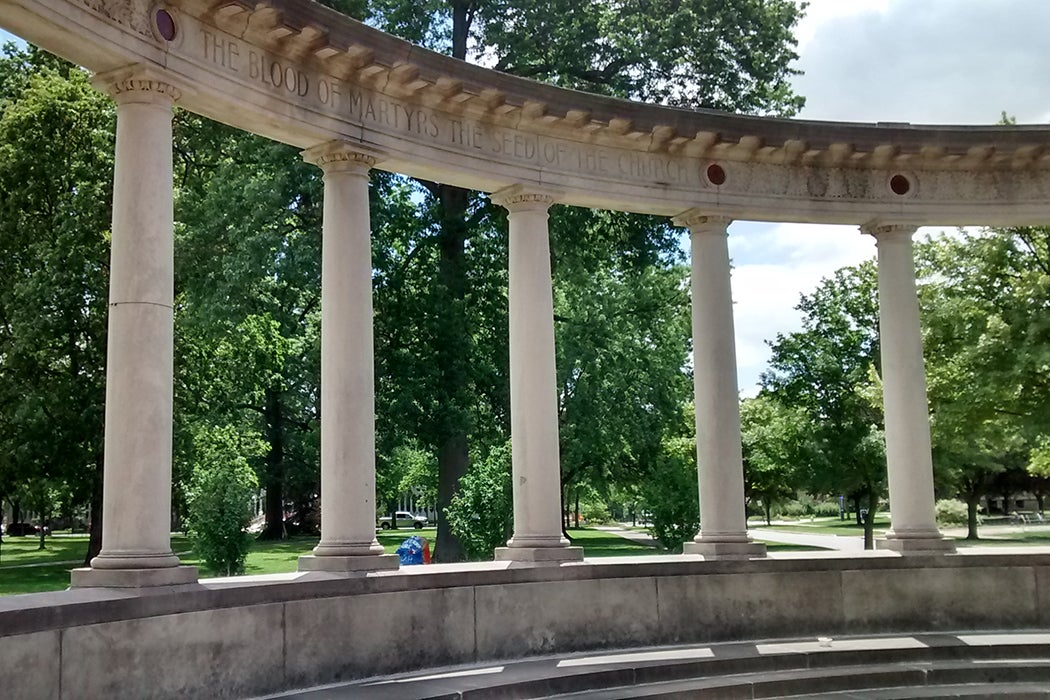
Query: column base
{"type": "Point", "coordinates": [934, 544]}
{"type": "Point", "coordinates": [339, 549]}
{"type": "Point", "coordinates": [350, 565]}
{"type": "Point", "coordinates": [132, 578]}
{"type": "Point", "coordinates": [744, 549]}
{"type": "Point", "coordinates": [539, 555]}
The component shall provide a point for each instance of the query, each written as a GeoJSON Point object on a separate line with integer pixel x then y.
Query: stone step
{"type": "Point", "coordinates": [834, 682]}
{"type": "Point", "coordinates": [821, 668]}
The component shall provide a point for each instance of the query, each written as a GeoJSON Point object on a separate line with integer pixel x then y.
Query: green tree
{"type": "Point", "coordinates": [248, 295]}
{"type": "Point", "coordinates": [985, 341]}
{"type": "Point", "coordinates": [827, 371]}
{"type": "Point", "coordinates": [481, 513]}
{"type": "Point", "coordinates": [775, 441]}
{"type": "Point", "coordinates": [671, 494]}
{"type": "Point", "coordinates": [56, 146]}
{"type": "Point", "coordinates": [220, 495]}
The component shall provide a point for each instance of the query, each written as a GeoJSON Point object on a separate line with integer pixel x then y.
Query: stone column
{"type": "Point", "coordinates": [535, 459]}
{"type": "Point", "coordinates": [723, 522]}
{"type": "Point", "coordinates": [909, 460]}
{"type": "Point", "coordinates": [348, 510]}
{"type": "Point", "coordinates": [136, 501]}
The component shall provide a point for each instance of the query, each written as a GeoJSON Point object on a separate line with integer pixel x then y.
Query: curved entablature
{"type": "Point", "coordinates": [300, 73]}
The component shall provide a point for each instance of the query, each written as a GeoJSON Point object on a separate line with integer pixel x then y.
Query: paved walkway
{"type": "Point", "coordinates": [835, 542]}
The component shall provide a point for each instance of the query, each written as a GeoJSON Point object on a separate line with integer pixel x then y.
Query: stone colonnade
{"type": "Point", "coordinates": [137, 504]}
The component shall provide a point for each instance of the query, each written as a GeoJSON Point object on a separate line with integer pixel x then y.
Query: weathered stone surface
{"type": "Point", "coordinates": [356, 636]}
{"type": "Point", "coordinates": [29, 666]}
{"type": "Point", "coordinates": [749, 605]}
{"type": "Point", "coordinates": [939, 599]}
{"type": "Point", "coordinates": [537, 618]}
{"type": "Point", "coordinates": [229, 653]}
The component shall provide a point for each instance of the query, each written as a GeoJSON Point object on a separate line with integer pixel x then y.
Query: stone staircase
{"type": "Point", "coordinates": [987, 665]}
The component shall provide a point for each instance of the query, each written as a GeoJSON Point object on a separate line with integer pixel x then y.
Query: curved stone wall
{"type": "Point", "coordinates": [299, 73]}
{"type": "Point", "coordinates": [242, 637]}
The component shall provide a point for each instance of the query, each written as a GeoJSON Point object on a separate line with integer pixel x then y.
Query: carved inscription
{"type": "Point", "coordinates": [388, 115]}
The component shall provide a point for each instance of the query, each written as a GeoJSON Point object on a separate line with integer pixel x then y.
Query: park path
{"type": "Point", "coordinates": [839, 543]}
{"type": "Point", "coordinates": [835, 542]}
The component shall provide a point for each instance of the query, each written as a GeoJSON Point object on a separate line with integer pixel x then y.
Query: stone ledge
{"type": "Point", "coordinates": [913, 546]}
{"type": "Point", "coordinates": [539, 555]}
{"type": "Point", "coordinates": [133, 578]}
{"type": "Point", "coordinates": [726, 550]}
{"type": "Point", "coordinates": [350, 565]}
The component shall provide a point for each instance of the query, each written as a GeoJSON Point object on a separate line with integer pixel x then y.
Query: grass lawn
{"type": "Point", "coordinates": [50, 576]}
{"type": "Point", "coordinates": [270, 557]}
{"type": "Point", "coordinates": [825, 526]}
{"type": "Point", "coordinates": [989, 537]}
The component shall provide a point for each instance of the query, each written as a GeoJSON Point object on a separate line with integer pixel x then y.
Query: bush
{"type": "Point", "coordinates": [219, 499]}
{"type": "Point", "coordinates": [789, 509]}
{"type": "Point", "coordinates": [595, 512]}
{"type": "Point", "coordinates": [670, 494]}
{"type": "Point", "coordinates": [826, 509]}
{"type": "Point", "coordinates": [951, 512]}
{"type": "Point", "coordinates": [481, 515]}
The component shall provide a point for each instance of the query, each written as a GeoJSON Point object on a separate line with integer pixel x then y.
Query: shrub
{"type": "Point", "coordinates": [219, 499]}
{"type": "Point", "coordinates": [826, 509]}
{"type": "Point", "coordinates": [789, 509]}
{"type": "Point", "coordinates": [595, 512]}
{"type": "Point", "coordinates": [670, 494]}
{"type": "Point", "coordinates": [951, 512]}
{"type": "Point", "coordinates": [481, 515]}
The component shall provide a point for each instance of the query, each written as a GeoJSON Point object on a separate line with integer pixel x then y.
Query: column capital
{"type": "Point", "coordinates": [520, 198]}
{"type": "Point", "coordinates": [883, 232]}
{"type": "Point", "coordinates": [698, 221]}
{"type": "Point", "coordinates": [342, 157]}
{"type": "Point", "coordinates": [141, 84]}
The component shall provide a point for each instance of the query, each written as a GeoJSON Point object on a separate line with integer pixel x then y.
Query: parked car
{"type": "Point", "coordinates": [404, 519]}
{"type": "Point", "coordinates": [22, 529]}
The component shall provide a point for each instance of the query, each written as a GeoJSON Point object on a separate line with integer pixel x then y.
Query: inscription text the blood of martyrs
{"type": "Point", "coordinates": [387, 115]}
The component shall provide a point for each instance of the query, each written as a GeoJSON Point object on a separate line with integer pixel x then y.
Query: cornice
{"type": "Point", "coordinates": [302, 30]}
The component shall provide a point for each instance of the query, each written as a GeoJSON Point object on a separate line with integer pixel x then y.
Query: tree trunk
{"type": "Point", "coordinates": [452, 465]}
{"type": "Point", "coordinates": [856, 509]}
{"type": "Point", "coordinates": [273, 477]}
{"type": "Point", "coordinates": [971, 516]}
{"type": "Point", "coordinates": [768, 507]}
{"type": "Point", "coordinates": [95, 517]}
{"type": "Point", "coordinates": [453, 356]}
{"type": "Point", "coordinates": [869, 521]}
{"type": "Point", "coordinates": [16, 512]}
{"type": "Point", "coordinates": [391, 509]}
{"type": "Point", "coordinates": [576, 511]}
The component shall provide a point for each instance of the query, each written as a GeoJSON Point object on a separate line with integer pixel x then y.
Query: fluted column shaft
{"type": "Point", "coordinates": [535, 458]}
{"type": "Point", "coordinates": [348, 509]}
{"type": "Point", "coordinates": [909, 459]}
{"type": "Point", "coordinates": [723, 521]}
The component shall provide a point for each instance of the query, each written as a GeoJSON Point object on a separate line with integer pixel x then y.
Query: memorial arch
{"type": "Point", "coordinates": [353, 99]}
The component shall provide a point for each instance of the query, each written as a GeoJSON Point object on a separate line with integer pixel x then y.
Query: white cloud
{"type": "Point", "coordinates": [934, 61]}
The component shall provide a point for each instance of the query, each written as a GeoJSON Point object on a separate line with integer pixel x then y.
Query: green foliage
{"type": "Point", "coordinates": [481, 514]}
{"type": "Point", "coordinates": [56, 170]}
{"type": "Point", "coordinates": [595, 512]}
{"type": "Point", "coordinates": [671, 494]}
{"type": "Point", "coordinates": [951, 512]}
{"type": "Point", "coordinates": [219, 497]}
{"type": "Point", "coordinates": [775, 441]}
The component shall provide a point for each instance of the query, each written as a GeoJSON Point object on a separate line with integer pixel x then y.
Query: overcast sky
{"type": "Point", "coordinates": [919, 61]}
